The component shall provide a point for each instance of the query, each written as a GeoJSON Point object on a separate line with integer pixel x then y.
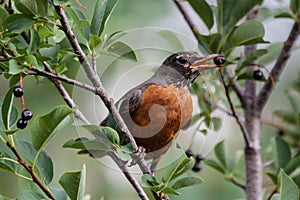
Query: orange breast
{"type": "Point", "coordinates": [161, 114]}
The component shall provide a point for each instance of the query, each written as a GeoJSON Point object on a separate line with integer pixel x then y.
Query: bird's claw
{"type": "Point", "coordinates": [138, 155]}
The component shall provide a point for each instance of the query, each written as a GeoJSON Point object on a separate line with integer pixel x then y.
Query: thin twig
{"type": "Point", "coordinates": [63, 92]}
{"type": "Point", "coordinates": [280, 64]}
{"type": "Point", "coordinates": [235, 182]}
{"type": "Point", "coordinates": [238, 120]}
{"type": "Point", "coordinates": [129, 176]}
{"type": "Point", "coordinates": [95, 79]}
{"type": "Point", "coordinates": [236, 87]}
{"type": "Point", "coordinates": [187, 18]}
{"type": "Point", "coordinates": [29, 169]}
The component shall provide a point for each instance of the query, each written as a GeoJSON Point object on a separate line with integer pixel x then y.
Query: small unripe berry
{"type": "Point", "coordinates": [21, 123]}
{"type": "Point", "coordinates": [26, 114]}
{"type": "Point", "coordinates": [18, 91]}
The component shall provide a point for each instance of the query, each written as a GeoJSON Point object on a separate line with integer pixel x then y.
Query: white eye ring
{"type": "Point", "coordinates": [182, 60]}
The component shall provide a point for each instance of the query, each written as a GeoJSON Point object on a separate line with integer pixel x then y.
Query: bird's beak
{"type": "Point", "coordinates": [201, 64]}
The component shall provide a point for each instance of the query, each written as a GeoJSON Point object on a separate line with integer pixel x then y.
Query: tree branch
{"type": "Point", "coordinates": [129, 176]}
{"type": "Point", "coordinates": [63, 92]}
{"type": "Point", "coordinates": [280, 64]}
{"type": "Point", "coordinates": [238, 120]}
{"type": "Point", "coordinates": [185, 13]}
{"type": "Point", "coordinates": [95, 79]}
{"type": "Point", "coordinates": [29, 169]}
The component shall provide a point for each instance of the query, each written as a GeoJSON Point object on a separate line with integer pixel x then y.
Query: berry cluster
{"type": "Point", "coordinates": [26, 114]}
{"type": "Point", "coordinates": [198, 158]}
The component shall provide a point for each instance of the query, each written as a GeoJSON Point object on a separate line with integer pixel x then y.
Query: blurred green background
{"type": "Point", "coordinates": [143, 20]}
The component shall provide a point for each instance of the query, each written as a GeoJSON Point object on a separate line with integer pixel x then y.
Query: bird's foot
{"type": "Point", "coordinates": [139, 155]}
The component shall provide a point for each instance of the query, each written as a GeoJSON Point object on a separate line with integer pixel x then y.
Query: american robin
{"type": "Point", "coordinates": [158, 108]}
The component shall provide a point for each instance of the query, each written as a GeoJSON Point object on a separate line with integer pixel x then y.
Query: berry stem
{"type": "Point", "coordinates": [22, 98]}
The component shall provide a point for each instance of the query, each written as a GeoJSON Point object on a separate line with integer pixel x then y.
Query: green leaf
{"type": "Point", "coordinates": [14, 115]}
{"type": "Point", "coordinates": [103, 133]}
{"type": "Point", "coordinates": [102, 11]}
{"type": "Point", "coordinates": [85, 144]}
{"type": "Point", "coordinates": [275, 197]}
{"type": "Point", "coordinates": [3, 15]}
{"type": "Point", "coordinates": [221, 154]}
{"type": "Point", "coordinates": [15, 67]}
{"type": "Point", "coordinates": [6, 110]}
{"type": "Point", "coordinates": [17, 23]}
{"type": "Point", "coordinates": [74, 183]}
{"type": "Point", "coordinates": [30, 195]}
{"type": "Point", "coordinates": [250, 32]}
{"type": "Point", "coordinates": [172, 39]}
{"type": "Point", "coordinates": [253, 56]}
{"type": "Point", "coordinates": [168, 190]}
{"type": "Point", "coordinates": [27, 7]}
{"type": "Point", "coordinates": [44, 128]}
{"type": "Point", "coordinates": [187, 182]}
{"type": "Point", "coordinates": [215, 165]}
{"type": "Point", "coordinates": [209, 43]}
{"type": "Point", "coordinates": [108, 40]}
{"type": "Point", "coordinates": [34, 41]}
{"type": "Point", "coordinates": [123, 155]}
{"type": "Point", "coordinates": [32, 8]}
{"type": "Point", "coordinates": [44, 164]}
{"type": "Point", "coordinates": [94, 41]}
{"type": "Point", "coordinates": [293, 164]}
{"type": "Point", "coordinates": [45, 32]}
{"type": "Point", "coordinates": [122, 50]}
{"type": "Point", "coordinates": [229, 12]}
{"type": "Point", "coordinates": [273, 52]}
{"type": "Point", "coordinates": [273, 177]}
{"type": "Point", "coordinates": [204, 11]}
{"type": "Point", "coordinates": [295, 6]}
{"type": "Point", "coordinates": [281, 151]}
{"type": "Point", "coordinates": [175, 168]}
{"type": "Point", "coordinates": [150, 182]}
{"type": "Point", "coordinates": [6, 165]}
{"type": "Point", "coordinates": [285, 15]}
{"type": "Point", "coordinates": [217, 123]}
{"type": "Point", "coordinates": [3, 197]}
{"type": "Point", "coordinates": [31, 61]}
{"type": "Point", "coordinates": [288, 189]}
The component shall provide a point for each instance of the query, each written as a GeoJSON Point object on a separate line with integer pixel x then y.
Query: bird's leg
{"type": "Point", "coordinates": [154, 164]}
{"type": "Point", "coordinates": [140, 154]}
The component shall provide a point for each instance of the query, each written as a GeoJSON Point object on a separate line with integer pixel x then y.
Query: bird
{"type": "Point", "coordinates": [156, 110]}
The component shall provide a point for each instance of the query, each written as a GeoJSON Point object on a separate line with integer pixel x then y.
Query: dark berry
{"type": "Point", "coordinates": [257, 74]}
{"type": "Point", "coordinates": [199, 158]}
{"type": "Point", "coordinates": [197, 167]}
{"type": "Point", "coordinates": [18, 91]}
{"type": "Point", "coordinates": [189, 153]}
{"type": "Point", "coordinates": [21, 123]}
{"type": "Point", "coordinates": [219, 60]}
{"type": "Point", "coordinates": [26, 114]}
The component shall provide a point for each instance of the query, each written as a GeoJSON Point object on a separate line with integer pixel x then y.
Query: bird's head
{"type": "Point", "coordinates": [183, 68]}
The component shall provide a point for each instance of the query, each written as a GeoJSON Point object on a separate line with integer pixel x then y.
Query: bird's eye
{"type": "Point", "coordinates": [182, 60]}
